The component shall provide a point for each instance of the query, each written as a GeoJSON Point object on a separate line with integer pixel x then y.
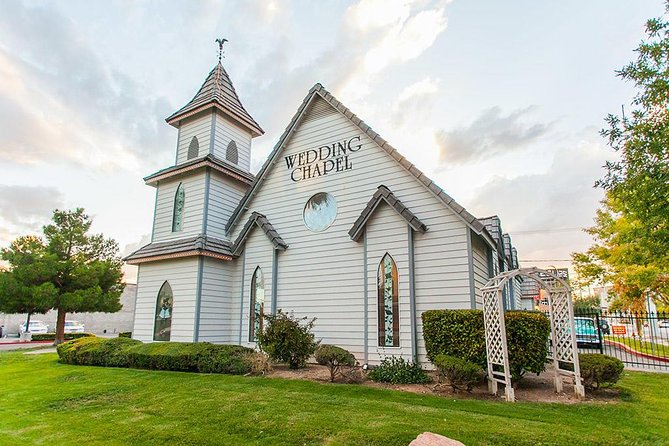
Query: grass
{"type": "Point", "coordinates": [641, 346]}
{"type": "Point", "coordinates": [44, 402]}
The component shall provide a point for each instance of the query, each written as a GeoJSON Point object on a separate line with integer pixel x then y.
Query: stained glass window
{"type": "Point", "coordinates": [388, 303]}
{"type": "Point", "coordinates": [178, 214]}
{"type": "Point", "coordinates": [163, 325]}
{"type": "Point", "coordinates": [320, 211]}
{"type": "Point", "coordinates": [231, 152]}
{"type": "Point", "coordinates": [193, 148]}
{"type": "Point", "coordinates": [257, 311]}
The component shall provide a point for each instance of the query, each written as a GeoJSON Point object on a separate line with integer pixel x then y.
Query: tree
{"type": "Point", "coordinates": [82, 271]}
{"type": "Point", "coordinates": [631, 232]}
{"type": "Point", "coordinates": [27, 287]}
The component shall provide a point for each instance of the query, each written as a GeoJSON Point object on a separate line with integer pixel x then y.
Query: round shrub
{"type": "Point", "coordinates": [599, 370]}
{"type": "Point", "coordinates": [460, 373]}
{"type": "Point", "coordinates": [397, 370]}
{"type": "Point", "coordinates": [286, 338]}
{"type": "Point", "coordinates": [335, 358]}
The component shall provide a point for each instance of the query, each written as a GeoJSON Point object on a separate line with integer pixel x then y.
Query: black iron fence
{"type": "Point", "coordinates": [640, 340]}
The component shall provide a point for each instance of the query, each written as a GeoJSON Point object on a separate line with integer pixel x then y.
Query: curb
{"type": "Point", "coordinates": [638, 353]}
{"type": "Point", "coordinates": [25, 343]}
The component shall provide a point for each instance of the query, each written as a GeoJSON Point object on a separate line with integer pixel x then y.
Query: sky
{"type": "Point", "coordinates": [501, 103]}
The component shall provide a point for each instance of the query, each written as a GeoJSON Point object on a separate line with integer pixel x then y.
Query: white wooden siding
{"type": "Point", "coordinates": [227, 131]}
{"type": "Point", "coordinates": [219, 302]}
{"type": "Point", "coordinates": [321, 274]}
{"type": "Point", "coordinates": [387, 232]}
{"type": "Point", "coordinates": [182, 277]}
{"type": "Point", "coordinates": [480, 254]}
{"type": "Point", "coordinates": [199, 127]}
{"type": "Point", "coordinates": [224, 195]}
{"type": "Point", "coordinates": [258, 252]}
{"type": "Point", "coordinates": [194, 185]}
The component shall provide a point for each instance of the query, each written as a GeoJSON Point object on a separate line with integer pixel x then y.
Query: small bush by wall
{"type": "Point", "coordinates": [125, 334]}
{"type": "Point", "coordinates": [335, 358]}
{"type": "Point", "coordinates": [461, 333]}
{"type": "Point", "coordinates": [397, 370]}
{"type": "Point", "coordinates": [286, 338]}
{"type": "Point", "coordinates": [460, 373]}
{"type": "Point", "coordinates": [52, 336]}
{"type": "Point", "coordinates": [599, 370]}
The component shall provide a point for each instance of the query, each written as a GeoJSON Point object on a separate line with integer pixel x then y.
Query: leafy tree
{"type": "Point", "coordinates": [631, 231]}
{"type": "Point", "coordinates": [77, 272]}
{"type": "Point", "coordinates": [587, 304]}
{"type": "Point", "coordinates": [26, 288]}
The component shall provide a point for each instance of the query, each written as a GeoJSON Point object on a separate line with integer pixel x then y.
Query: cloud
{"type": "Point", "coordinates": [25, 209]}
{"type": "Point", "coordinates": [414, 103]}
{"type": "Point", "coordinates": [491, 134]}
{"type": "Point", "coordinates": [60, 101]}
{"type": "Point", "coordinates": [563, 197]}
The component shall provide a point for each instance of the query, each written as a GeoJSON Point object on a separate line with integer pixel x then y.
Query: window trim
{"type": "Point", "coordinates": [381, 305]}
{"type": "Point", "coordinates": [252, 305]}
{"type": "Point", "coordinates": [159, 310]}
{"type": "Point", "coordinates": [178, 226]}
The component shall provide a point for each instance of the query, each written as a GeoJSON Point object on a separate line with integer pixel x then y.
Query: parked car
{"type": "Point", "coordinates": [586, 332]}
{"type": "Point", "coordinates": [663, 324]}
{"type": "Point", "coordinates": [35, 327]}
{"type": "Point", "coordinates": [73, 327]}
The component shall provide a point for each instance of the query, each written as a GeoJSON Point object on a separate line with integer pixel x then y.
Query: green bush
{"type": "Point", "coordinates": [461, 333]}
{"type": "Point", "coordinates": [458, 333]}
{"type": "Point", "coordinates": [396, 370]}
{"type": "Point", "coordinates": [52, 336]}
{"type": "Point", "coordinates": [460, 373]}
{"type": "Point", "coordinates": [286, 339]}
{"type": "Point", "coordinates": [599, 370]}
{"type": "Point", "coordinates": [527, 334]}
{"type": "Point", "coordinates": [188, 357]}
{"type": "Point", "coordinates": [125, 334]}
{"type": "Point", "coordinates": [335, 358]}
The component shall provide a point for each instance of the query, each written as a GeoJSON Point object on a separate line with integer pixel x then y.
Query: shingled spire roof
{"type": "Point", "coordinates": [217, 91]}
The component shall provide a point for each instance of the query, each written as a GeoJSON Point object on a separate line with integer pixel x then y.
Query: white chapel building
{"type": "Point", "coordinates": [336, 225]}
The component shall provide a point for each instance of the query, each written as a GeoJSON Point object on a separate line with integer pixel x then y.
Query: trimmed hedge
{"type": "Point", "coordinates": [599, 370]}
{"type": "Point", "coordinates": [125, 334]}
{"type": "Point", "coordinates": [106, 352]}
{"type": "Point", "coordinates": [461, 333]}
{"type": "Point", "coordinates": [187, 357]}
{"type": "Point", "coordinates": [52, 336]}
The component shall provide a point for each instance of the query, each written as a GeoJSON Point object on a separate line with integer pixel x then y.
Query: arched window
{"type": "Point", "coordinates": [231, 152]}
{"type": "Point", "coordinates": [257, 304]}
{"type": "Point", "coordinates": [178, 213]}
{"type": "Point", "coordinates": [163, 325]}
{"type": "Point", "coordinates": [193, 148]}
{"type": "Point", "coordinates": [388, 303]}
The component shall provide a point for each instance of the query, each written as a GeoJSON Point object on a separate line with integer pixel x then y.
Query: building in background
{"type": "Point", "coordinates": [98, 323]}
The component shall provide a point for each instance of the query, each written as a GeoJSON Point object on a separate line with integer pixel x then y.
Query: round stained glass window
{"type": "Point", "coordinates": [320, 211]}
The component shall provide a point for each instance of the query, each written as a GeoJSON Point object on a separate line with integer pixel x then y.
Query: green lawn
{"type": "Point", "coordinates": [641, 346]}
{"type": "Point", "coordinates": [44, 402]}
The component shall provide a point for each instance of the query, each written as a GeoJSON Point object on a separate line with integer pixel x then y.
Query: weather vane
{"type": "Point", "coordinates": [220, 48]}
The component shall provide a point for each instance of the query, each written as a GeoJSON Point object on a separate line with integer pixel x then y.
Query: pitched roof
{"type": "Point", "coordinates": [384, 194]}
{"type": "Point", "coordinates": [263, 223]}
{"type": "Point", "coordinates": [319, 90]}
{"type": "Point", "coordinates": [208, 160]}
{"type": "Point", "coordinates": [192, 246]}
{"type": "Point", "coordinates": [217, 91]}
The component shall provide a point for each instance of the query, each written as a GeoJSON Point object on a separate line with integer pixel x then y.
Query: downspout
{"type": "Point", "coordinates": [412, 297]}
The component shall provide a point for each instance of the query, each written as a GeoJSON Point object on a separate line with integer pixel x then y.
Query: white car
{"type": "Point", "coordinates": [36, 327]}
{"type": "Point", "coordinates": [74, 327]}
{"type": "Point", "coordinates": [663, 324]}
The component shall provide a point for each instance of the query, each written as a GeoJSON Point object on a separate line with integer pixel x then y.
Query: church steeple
{"type": "Point", "coordinates": [217, 92]}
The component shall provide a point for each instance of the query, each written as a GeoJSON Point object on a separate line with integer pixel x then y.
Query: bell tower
{"type": "Point", "coordinates": [194, 200]}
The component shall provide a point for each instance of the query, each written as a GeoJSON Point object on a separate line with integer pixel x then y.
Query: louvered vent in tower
{"type": "Point", "coordinates": [193, 148]}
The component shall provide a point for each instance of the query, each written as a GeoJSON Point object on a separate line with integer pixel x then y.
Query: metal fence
{"type": "Point", "coordinates": [640, 340]}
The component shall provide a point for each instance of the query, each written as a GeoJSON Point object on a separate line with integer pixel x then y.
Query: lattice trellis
{"type": "Point", "coordinates": [563, 350]}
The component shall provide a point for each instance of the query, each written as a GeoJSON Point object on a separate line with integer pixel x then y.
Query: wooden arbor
{"type": "Point", "coordinates": [564, 352]}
